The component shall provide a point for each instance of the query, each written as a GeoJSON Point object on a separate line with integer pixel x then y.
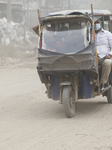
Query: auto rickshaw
{"type": "Point", "coordinates": [67, 57]}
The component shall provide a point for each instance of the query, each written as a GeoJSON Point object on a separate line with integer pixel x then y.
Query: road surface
{"type": "Point", "coordinates": [31, 121]}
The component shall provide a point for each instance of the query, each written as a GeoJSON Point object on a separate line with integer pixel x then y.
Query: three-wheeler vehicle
{"type": "Point", "coordinates": [67, 57]}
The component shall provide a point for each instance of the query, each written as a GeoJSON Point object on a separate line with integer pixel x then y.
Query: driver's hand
{"type": "Point", "coordinates": [107, 57]}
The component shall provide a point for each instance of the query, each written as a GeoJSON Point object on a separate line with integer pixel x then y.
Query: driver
{"type": "Point", "coordinates": [104, 52]}
{"type": "Point", "coordinates": [52, 43]}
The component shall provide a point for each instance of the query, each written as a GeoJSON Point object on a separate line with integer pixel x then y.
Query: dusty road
{"type": "Point", "coordinates": [31, 121]}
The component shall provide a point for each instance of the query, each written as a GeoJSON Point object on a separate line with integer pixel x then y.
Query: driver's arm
{"type": "Point", "coordinates": [36, 29]}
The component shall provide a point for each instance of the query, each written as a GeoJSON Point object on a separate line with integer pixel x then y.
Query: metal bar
{"type": "Point", "coordinates": [103, 22]}
{"type": "Point", "coordinates": [39, 20]}
{"type": "Point", "coordinates": [93, 35]}
{"type": "Point", "coordinates": [93, 40]}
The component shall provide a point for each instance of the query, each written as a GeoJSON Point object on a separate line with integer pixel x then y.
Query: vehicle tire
{"type": "Point", "coordinates": [68, 101]}
{"type": "Point", "coordinates": [109, 95]}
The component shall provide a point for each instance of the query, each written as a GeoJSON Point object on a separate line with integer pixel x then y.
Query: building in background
{"type": "Point", "coordinates": [26, 10]}
{"type": "Point", "coordinates": [17, 13]}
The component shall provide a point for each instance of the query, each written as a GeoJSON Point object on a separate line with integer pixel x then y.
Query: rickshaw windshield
{"type": "Point", "coordinates": [66, 36]}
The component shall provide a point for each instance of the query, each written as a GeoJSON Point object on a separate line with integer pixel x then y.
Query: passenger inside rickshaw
{"type": "Point", "coordinates": [75, 40]}
{"type": "Point", "coordinates": [51, 42]}
{"type": "Point", "coordinates": [65, 37]}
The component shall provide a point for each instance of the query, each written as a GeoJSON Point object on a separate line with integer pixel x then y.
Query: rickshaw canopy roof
{"type": "Point", "coordinates": [97, 14]}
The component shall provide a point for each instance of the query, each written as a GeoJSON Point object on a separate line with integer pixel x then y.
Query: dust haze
{"type": "Point", "coordinates": [17, 39]}
{"type": "Point", "coordinates": [28, 119]}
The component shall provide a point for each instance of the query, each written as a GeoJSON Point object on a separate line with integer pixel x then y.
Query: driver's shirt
{"type": "Point", "coordinates": [104, 43]}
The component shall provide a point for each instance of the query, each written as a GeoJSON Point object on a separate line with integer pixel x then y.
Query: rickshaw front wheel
{"type": "Point", "coordinates": [109, 95]}
{"type": "Point", "coordinates": [68, 101]}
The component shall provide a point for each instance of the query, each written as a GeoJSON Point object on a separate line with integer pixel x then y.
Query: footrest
{"type": "Point", "coordinates": [105, 89]}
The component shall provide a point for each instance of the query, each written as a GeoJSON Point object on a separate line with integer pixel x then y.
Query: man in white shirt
{"type": "Point", "coordinates": [104, 51]}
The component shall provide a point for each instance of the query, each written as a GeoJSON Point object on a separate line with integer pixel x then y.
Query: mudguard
{"type": "Point", "coordinates": [66, 83]}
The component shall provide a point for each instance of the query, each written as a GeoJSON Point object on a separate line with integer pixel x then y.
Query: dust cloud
{"type": "Point", "coordinates": [28, 119]}
{"type": "Point", "coordinates": [17, 39]}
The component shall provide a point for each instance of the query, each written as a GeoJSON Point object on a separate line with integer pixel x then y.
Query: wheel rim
{"type": "Point", "coordinates": [71, 101]}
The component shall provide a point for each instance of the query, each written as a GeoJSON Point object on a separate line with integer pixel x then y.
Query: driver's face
{"type": "Point", "coordinates": [97, 25]}
{"type": "Point", "coordinates": [98, 22]}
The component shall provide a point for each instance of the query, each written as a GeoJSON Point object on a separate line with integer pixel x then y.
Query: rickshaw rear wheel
{"type": "Point", "coordinates": [109, 95]}
{"type": "Point", "coordinates": [68, 101]}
